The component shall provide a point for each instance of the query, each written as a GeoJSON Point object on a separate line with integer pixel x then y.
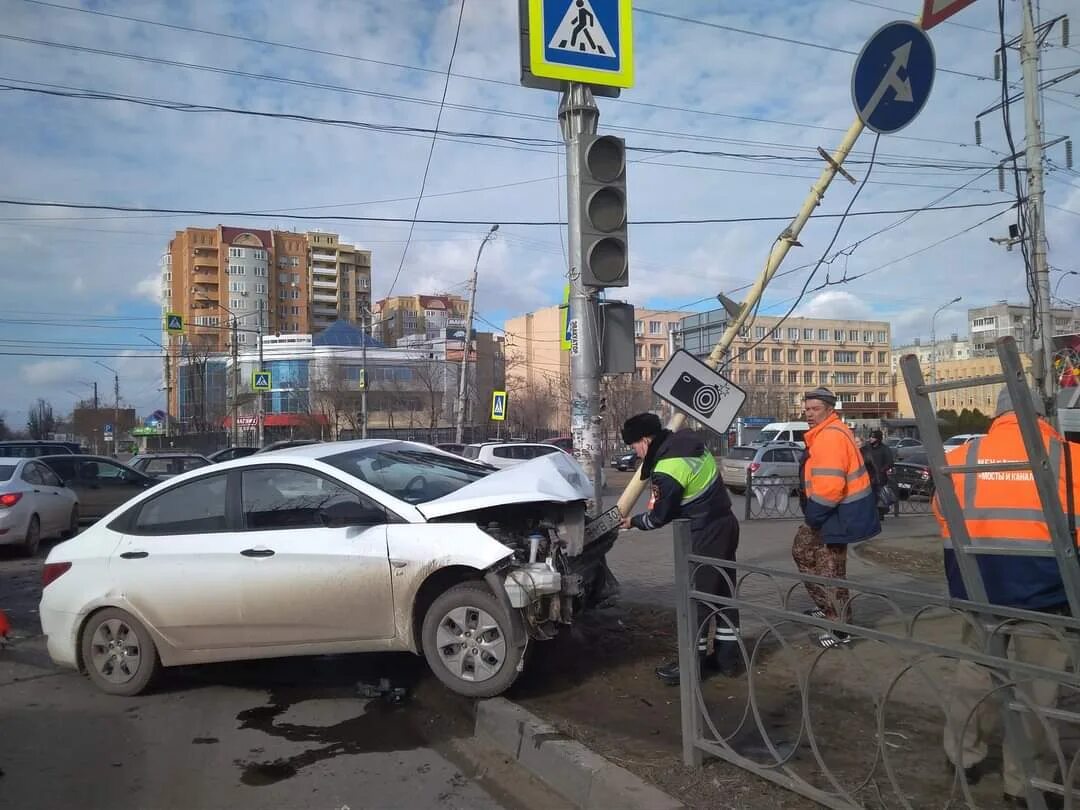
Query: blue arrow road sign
{"type": "Point", "coordinates": [893, 76]}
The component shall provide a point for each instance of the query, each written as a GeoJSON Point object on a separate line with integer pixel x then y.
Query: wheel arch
{"type": "Point", "coordinates": [435, 584]}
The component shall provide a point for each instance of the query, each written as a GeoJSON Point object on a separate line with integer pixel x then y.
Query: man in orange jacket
{"type": "Point", "coordinates": [839, 508]}
{"type": "Point", "coordinates": [1004, 509]}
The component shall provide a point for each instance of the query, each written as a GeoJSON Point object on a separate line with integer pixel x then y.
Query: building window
{"type": "Point", "coordinates": [882, 357]}
{"type": "Point", "coordinates": [777, 376]}
{"type": "Point", "coordinates": [868, 378]}
{"type": "Point", "coordinates": [759, 332]}
{"type": "Point", "coordinates": [294, 278]}
{"type": "Point", "coordinates": [236, 253]}
{"type": "Point", "coordinates": [759, 355]}
{"type": "Point", "coordinates": [883, 378]}
{"type": "Point", "coordinates": [838, 335]}
{"type": "Point", "coordinates": [848, 397]}
{"type": "Point", "coordinates": [808, 356]}
{"type": "Point", "coordinates": [260, 271]}
{"type": "Point", "coordinates": [793, 377]}
{"type": "Point", "coordinates": [823, 356]}
{"type": "Point", "coordinates": [775, 334]}
{"type": "Point", "coordinates": [793, 355]}
{"type": "Point", "coordinates": [294, 261]}
{"type": "Point", "coordinates": [639, 327]}
{"type": "Point", "coordinates": [237, 287]}
{"type": "Point", "coordinates": [295, 311]}
{"type": "Point", "coordinates": [294, 294]}
{"type": "Point", "coordinates": [881, 336]}
{"type": "Point", "coordinates": [822, 334]}
{"type": "Point", "coordinates": [258, 254]}
{"type": "Point", "coordinates": [846, 378]}
{"type": "Point", "coordinates": [793, 333]}
{"type": "Point", "coordinates": [777, 355]}
{"type": "Point", "coordinates": [654, 328]}
{"type": "Point", "coordinates": [867, 336]}
{"type": "Point", "coordinates": [853, 334]}
{"type": "Point", "coordinates": [260, 288]}
{"type": "Point", "coordinates": [761, 376]}
{"type": "Point", "coordinates": [236, 269]}
{"type": "Point", "coordinates": [808, 377]}
{"type": "Point", "coordinates": [882, 397]}
{"type": "Point", "coordinates": [807, 334]}
{"type": "Point", "coordinates": [234, 303]}
{"type": "Point", "coordinates": [868, 396]}
{"type": "Point", "coordinates": [241, 337]}
{"type": "Point", "coordinates": [744, 375]}
{"type": "Point", "coordinates": [845, 357]}
{"type": "Point", "coordinates": [656, 352]}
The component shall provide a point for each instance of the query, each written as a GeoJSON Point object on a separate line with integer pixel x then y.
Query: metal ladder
{"type": "Point", "coordinates": [1062, 545]}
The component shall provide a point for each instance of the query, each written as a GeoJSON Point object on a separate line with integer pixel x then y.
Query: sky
{"type": "Point", "coordinates": [760, 86]}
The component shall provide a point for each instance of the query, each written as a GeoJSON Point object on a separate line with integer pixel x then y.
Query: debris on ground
{"type": "Point", "coordinates": [382, 690]}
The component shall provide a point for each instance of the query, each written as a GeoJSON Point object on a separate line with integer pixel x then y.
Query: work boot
{"type": "Point", "coordinates": [727, 660]}
{"type": "Point", "coordinates": [669, 672]}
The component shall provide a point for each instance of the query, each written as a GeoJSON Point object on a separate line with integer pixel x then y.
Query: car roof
{"type": "Point", "coordinates": [14, 459]}
{"type": "Point", "coordinates": [171, 455]}
{"type": "Point", "coordinates": [324, 449]}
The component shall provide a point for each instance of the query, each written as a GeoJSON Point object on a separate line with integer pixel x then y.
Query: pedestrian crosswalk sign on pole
{"type": "Point", "coordinates": [498, 406]}
{"type": "Point", "coordinates": [586, 41]}
{"type": "Point", "coordinates": [564, 317]}
{"type": "Point", "coordinates": [260, 381]}
{"type": "Point", "coordinates": [174, 323]}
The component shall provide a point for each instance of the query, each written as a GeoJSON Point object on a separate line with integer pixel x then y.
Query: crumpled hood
{"type": "Point", "coordinates": [555, 477]}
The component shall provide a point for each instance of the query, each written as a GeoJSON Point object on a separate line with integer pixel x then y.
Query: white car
{"type": "Point", "coordinates": [34, 504]}
{"type": "Point", "coordinates": [330, 548]}
{"type": "Point", "coordinates": [507, 454]}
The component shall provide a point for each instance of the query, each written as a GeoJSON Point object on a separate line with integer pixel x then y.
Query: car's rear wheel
{"type": "Point", "coordinates": [73, 522]}
{"type": "Point", "coordinates": [466, 641]}
{"type": "Point", "coordinates": [119, 655]}
{"type": "Point", "coordinates": [33, 537]}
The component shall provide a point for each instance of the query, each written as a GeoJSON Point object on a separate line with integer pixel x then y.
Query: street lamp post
{"type": "Point", "coordinates": [933, 343]}
{"type": "Point", "coordinates": [1063, 276]}
{"type": "Point", "coordinates": [462, 383]}
{"type": "Point", "coordinates": [116, 405]}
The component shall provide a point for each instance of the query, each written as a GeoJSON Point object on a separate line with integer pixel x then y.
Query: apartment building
{"type": "Point", "coordinates": [430, 315]}
{"type": "Point", "coordinates": [987, 324]}
{"type": "Point", "coordinates": [340, 280]}
{"type": "Point", "coordinates": [777, 362]}
{"type": "Point", "coordinates": [652, 340]}
{"type": "Point", "coordinates": [951, 348]}
{"type": "Point", "coordinates": [537, 369]}
{"type": "Point", "coordinates": [983, 397]}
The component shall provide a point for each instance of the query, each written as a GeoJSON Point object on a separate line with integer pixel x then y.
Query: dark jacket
{"type": "Point", "coordinates": [880, 460]}
{"type": "Point", "coordinates": [683, 490]}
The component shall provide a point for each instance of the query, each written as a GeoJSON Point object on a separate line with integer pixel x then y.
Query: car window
{"type": "Point", "coordinates": [48, 477]}
{"type": "Point", "coordinates": [472, 451]}
{"type": "Point", "coordinates": [30, 474]}
{"type": "Point", "coordinates": [787, 455]}
{"type": "Point", "coordinates": [193, 507]}
{"type": "Point", "coordinates": [6, 471]}
{"type": "Point", "coordinates": [505, 452]}
{"type": "Point", "coordinates": [288, 498]}
{"type": "Point", "coordinates": [742, 453]}
{"type": "Point", "coordinates": [800, 435]}
{"type": "Point", "coordinates": [408, 472]}
{"type": "Point", "coordinates": [192, 463]}
{"type": "Point", "coordinates": [769, 455]}
{"type": "Point", "coordinates": [918, 458]}
{"type": "Point", "coordinates": [546, 450]}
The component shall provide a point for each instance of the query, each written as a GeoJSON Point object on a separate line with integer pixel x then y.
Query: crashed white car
{"type": "Point", "coordinates": [330, 548]}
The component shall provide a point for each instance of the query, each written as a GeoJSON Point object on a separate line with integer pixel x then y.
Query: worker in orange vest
{"type": "Point", "coordinates": [839, 508]}
{"type": "Point", "coordinates": [1003, 508]}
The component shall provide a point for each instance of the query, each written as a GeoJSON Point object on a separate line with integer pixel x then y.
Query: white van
{"type": "Point", "coordinates": [783, 432]}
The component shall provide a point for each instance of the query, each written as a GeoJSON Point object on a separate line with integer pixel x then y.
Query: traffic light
{"type": "Point", "coordinates": [602, 215]}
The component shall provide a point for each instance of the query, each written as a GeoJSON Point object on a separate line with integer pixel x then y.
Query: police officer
{"type": "Point", "coordinates": [686, 484]}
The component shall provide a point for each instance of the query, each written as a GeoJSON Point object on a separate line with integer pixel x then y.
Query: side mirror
{"type": "Point", "coordinates": [350, 513]}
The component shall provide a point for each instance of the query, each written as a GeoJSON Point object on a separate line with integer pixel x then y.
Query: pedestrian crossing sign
{"type": "Point", "coordinates": [174, 323]}
{"type": "Point", "coordinates": [260, 381]}
{"type": "Point", "coordinates": [498, 406]}
{"type": "Point", "coordinates": [586, 41]}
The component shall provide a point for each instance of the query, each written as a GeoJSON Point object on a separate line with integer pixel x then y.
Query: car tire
{"type": "Point", "coordinates": [474, 666]}
{"type": "Point", "coordinates": [903, 494]}
{"type": "Point", "coordinates": [118, 653]}
{"type": "Point", "coordinates": [32, 540]}
{"type": "Point", "coordinates": [73, 523]}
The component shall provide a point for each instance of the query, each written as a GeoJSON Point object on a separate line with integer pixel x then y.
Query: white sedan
{"type": "Point", "coordinates": [329, 548]}
{"type": "Point", "coordinates": [34, 504]}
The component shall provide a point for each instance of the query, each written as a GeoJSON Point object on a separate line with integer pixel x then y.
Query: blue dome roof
{"type": "Point", "coordinates": [343, 333]}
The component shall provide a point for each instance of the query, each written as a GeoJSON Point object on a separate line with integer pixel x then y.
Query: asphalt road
{"type": "Point", "coordinates": [289, 733]}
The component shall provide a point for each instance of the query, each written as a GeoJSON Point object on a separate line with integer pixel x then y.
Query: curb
{"type": "Point", "coordinates": [582, 777]}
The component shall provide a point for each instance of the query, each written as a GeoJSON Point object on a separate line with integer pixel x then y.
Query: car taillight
{"type": "Point", "coordinates": [52, 572]}
{"type": "Point", "coordinates": [9, 499]}
{"type": "Point", "coordinates": [754, 467]}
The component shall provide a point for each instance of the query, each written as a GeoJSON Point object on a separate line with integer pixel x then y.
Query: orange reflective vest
{"type": "Point", "coordinates": [840, 500]}
{"type": "Point", "coordinates": [1002, 509]}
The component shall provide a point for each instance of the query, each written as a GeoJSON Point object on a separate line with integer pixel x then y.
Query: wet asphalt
{"type": "Point", "coordinates": [286, 733]}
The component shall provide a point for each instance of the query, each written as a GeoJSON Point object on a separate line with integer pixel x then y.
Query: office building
{"type": "Point", "coordinates": [951, 348]}
{"type": "Point", "coordinates": [653, 341]}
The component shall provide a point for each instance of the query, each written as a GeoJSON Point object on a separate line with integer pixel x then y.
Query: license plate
{"type": "Point", "coordinates": [902, 485]}
{"type": "Point", "coordinates": [602, 524]}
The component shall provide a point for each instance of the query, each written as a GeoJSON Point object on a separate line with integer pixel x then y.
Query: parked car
{"type": "Point", "coordinates": [167, 465]}
{"type": "Point", "coordinates": [903, 447]}
{"type": "Point", "coordinates": [779, 432]}
{"type": "Point", "coordinates": [34, 504]}
{"type": "Point", "coordinates": [35, 448]}
{"type": "Point", "coordinates": [100, 483]}
{"type": "Point", "coordinates": [961, 439]}
{"type": "Point", "coordinates": [506, 454]}
{"type": "Point", "coordinates": [451, 447]}
{"type": "Point", "coordinates": [361, 546]}
{"type": "Point", "coordinates": [767, 461]}
{"type": "Point", "coordinates": [230, 453]}
{"type": "Point", "coordinates": [284, 444]}
{"type": "Point", "coordinates": [564, 443]}
{"type": "Point", "coordinates": [912, 477]}
{"type": "Point", "coordinates": [624, 461]}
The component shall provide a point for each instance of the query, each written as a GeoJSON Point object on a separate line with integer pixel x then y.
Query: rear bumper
{"type": "Point", "coordinates": [61, 629]}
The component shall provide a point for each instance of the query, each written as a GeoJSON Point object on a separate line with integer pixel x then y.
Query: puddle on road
{"type": "Point", "coordinates": [258, 774]}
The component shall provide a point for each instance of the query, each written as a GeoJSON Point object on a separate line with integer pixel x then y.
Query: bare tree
{"type": "Point", "coordinates": [336, 398]}
{"type": "Point", "coordinates": [430, 374]}
{"type": "Point", "coordinates": [40, 420]}
{"type": "Point", "coordinates": [5, 432]}
{"type": "Point", "coordinates": [624, 395]}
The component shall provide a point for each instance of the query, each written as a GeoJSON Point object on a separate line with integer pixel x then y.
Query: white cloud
{"type": "Point", "coordinates": [836, 304]}
{"type": "Point", "coordinates": [48, 372]}
{"type": "Point", "coordinates": [150, 289]}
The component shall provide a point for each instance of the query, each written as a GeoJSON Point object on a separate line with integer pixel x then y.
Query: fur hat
{"type": "Point", "coordinates": [639, 426]}
{"type": "Point", "coordinates": [822, 393]}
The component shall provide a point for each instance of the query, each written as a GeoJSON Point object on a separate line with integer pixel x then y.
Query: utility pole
{"type": "Point", "coordinates": [365, 331]}
{"type": "Point", "coordinates": [464, 379]}
{"type": "Point", "coordinates": [1044, 316]}
{"type": "Point", "coordinates": [261, 407]}
{"type": "Point", "coordinates": [168, 389]}
{"type": "Point", "coordinates": [235, 383]}
{"type": "Point", "coordinates": [116, 404]}
{"type": "Point", "coordinates": [578, 115]}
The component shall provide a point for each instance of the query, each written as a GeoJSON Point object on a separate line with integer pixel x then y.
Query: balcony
{"type": "Point", "coordinates": [318, 283]}
{"type": "Point", "coordinates": [325, 298]}
{"type": "Point", "coordinates": [324, 257]}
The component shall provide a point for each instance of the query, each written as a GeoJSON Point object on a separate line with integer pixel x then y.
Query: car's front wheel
{"type": "Point", "coordinates": [466, 640]}
{"type": "Point", "coordinates": [119, 655]}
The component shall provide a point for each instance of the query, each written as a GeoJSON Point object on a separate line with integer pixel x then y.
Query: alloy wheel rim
{"type": "Point", "coordinates": [115, 651]}
{"type": "Point", "coordinates": [471, 644]}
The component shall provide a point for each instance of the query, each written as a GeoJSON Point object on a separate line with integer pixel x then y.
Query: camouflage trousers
{"type": "Point", "coordinates": [824, 560]}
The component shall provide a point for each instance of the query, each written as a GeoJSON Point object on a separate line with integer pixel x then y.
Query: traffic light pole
{"type": "Point", "coordinates": [578, 115]}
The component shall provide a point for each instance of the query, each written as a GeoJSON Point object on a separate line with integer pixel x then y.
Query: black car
{"type": "Point", "coordinates": [452, 447]}
{"type": "Point", "coordinates": [912, 477]}
{"type": "Point", "coordinates": [37, 448]}
{"type": "Point", "coordinates": [625, 461]}
{"type": "Point", "coordinates": [284, 443]}
{"type": "Point", "coordinates": [232, 453]}
{"type": "Point", "coordinates": [101, 483]}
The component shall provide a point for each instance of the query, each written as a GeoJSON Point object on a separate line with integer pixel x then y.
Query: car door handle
{"type": "Point", "coordinates": [134, 555]}
{"type": "Point", "coordinates": [258, 552]}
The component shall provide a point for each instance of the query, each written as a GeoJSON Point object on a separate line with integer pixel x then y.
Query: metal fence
{"type": "Point", "coordinates": [777, 497]}
{"type": "Point", "coordinates": [865, 724]}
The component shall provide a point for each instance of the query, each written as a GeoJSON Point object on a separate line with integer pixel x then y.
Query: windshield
{"type": "Point", "coordinates": [742, 453]}
{"type": "Point", "coordinates": [5, 471]}
{"type": "Point", "coordinates": [917, 458]}
{"type": "Point", "coordinates": [408, 472]}
{"type": "Point", "coordinates": [767, 436]}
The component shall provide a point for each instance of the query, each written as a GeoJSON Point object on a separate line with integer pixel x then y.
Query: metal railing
{"type": "Point", "coordinates": [776, 497]}
{"type": "Point", "coordinates": [864, 724]}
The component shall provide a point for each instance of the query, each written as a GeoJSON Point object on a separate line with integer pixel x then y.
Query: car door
{"type": "Point", "coordinates": [179, 567]}
{"type": "Point", "coordinates": [45, 503]}
{"type": "Point", "coordinates": [63, 498]}
{"type": "Point", "coordinates": [306, 582]}
{"type": "Point", "coordinates": [116, 485]}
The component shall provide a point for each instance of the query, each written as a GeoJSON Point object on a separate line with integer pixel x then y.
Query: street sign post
{"type": "Point", "coordinates": [935, 11]}
{"type": "Point", "coordinates": [498, 406]}
{"type": "Point", "coordinates": [564, 320]}
{"type": "Point", "coordinates": [174, 323]}
{"type": "Point", "coordinates": [893, 76]}
{"type": "Point", "coordinates": [698, 391]}
{"type": "Point", "coordinates": [586, 41]}
{"type": "Point", "coordinates": [261, 381]}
